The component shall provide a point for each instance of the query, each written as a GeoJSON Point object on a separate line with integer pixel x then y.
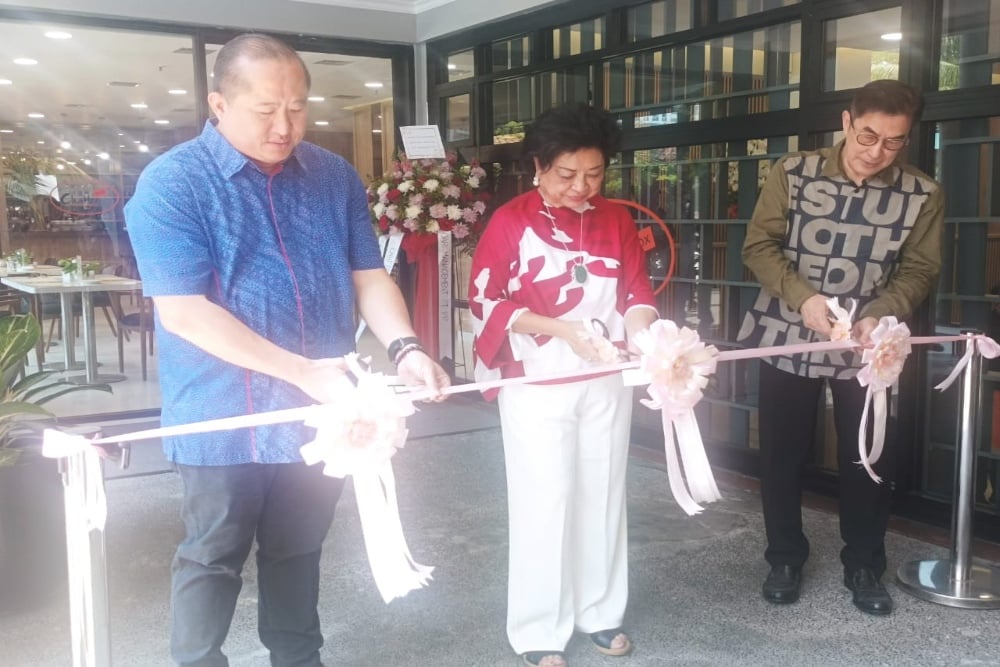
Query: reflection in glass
{"type": "Point", "coordinates": [570, 85]}
{"type": "Point", "coordinates": [656, 19]}
{"type": "Point", "coordinates": [970, 44]}
{"type": "Point", "coordinates": [582, 37]}
{"type": "Point", "coordinates": [513, 106]}
{"type": "Point", "coordinates": [512, 53]}
{"type": "Point", "coordinates": [748, 73]}
{"type": "Point", "coordinates": [461, 65]}
{"type": "Point", "coordinates": [862, 48]}
{"type": "Point", "coordinates": [731, 9]}
{"type": "Point", "coordinates": [456, 118]}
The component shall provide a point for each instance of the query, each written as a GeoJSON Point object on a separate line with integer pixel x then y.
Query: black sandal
{"type": "Point", "coordinates": [604, 642]}
{"type": "Point", "coordinates": [534, 658]}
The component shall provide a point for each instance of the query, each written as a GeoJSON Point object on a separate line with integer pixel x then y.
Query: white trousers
{"type": "Point", "coordinates": [566, 449]}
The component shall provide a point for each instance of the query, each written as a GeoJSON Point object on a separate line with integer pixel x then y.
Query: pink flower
{"type": "Point", "coordinates": [883, 362]}
{"type": "Point", "coordinates": [677, 364]}
{"type": "Point", "coordinates": [438, 211]}
{"type": "Point", "coordinates": [451, 191]}
{"type": "Point", "coordinates": [461, 230]}
{"type": "Point", "coordinates": [469, 215]}
{"type": "Point", "coordinates": [479, 207]}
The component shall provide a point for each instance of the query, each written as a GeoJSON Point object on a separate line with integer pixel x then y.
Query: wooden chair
{"type": "Point", "coordinates": [140, 322]}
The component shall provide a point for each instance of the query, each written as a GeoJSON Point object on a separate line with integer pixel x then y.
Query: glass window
{"type": "Point", "coordinates": [512, 53]}
{"type": "Point", "coordinates": [970, 44]}
{"type": "Point", "coordinates": [861, 48]}
{"type": "Point", "coordinates": [570, 85]}
{"type": "Point", "coordinates": [748, 73]}
{"type": "Point", "coordinates": [582, 37]}
{"type": "Point", "coordinates": [513, 106]}
{"type": "Point", "coordinates": [461, 65]}
{"type": "Point", "coordinates": [457, 123]}
{"type": "Point", "coordinates": [732, 9]}
{"type": "Point", "coordinates": [656, 19]}
{"type": "Point", "coordinates": [705, 194]}
{"type": "Point", "coordinates": [968, 297]}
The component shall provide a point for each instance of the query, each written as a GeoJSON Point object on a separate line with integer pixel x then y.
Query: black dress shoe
{"type": "Point", "coordinates": [782, 584]}
{"type": "Point", "coordinates": [870, 595]}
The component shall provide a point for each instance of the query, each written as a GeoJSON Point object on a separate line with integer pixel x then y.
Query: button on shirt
{"type": "Point", "coordinates": [277, 252]}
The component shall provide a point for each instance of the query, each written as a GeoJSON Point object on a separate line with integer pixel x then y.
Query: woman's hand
{"type": "Point", "coordinates": [587, 345]}
{"type": "Point", "coordinates": [417, 368]}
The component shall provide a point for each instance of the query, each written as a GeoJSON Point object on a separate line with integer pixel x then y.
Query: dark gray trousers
{"type": "Point", "coordinates": [288, 508]}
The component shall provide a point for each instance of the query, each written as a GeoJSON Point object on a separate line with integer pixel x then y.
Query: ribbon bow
{"type": "Point", "coordinates": [985, 345]}
{"type": "Point", "coordinates": [842, 318]}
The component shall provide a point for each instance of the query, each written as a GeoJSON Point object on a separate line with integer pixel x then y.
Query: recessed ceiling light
{"type": "Point", "coordinates": [139, 105]}
{"type": "Point", "coordinates": [60, 166]}
{"type": "Point", "coordinates": [35, 114]}
{"type": "Point", "coordinates": [6, 82]}
{"type": "Point", "coordinates": [40, 141]}
{"type": "Point", "coordinates": [103, 156]}
{"type": "Point", "coordinates": [58, 34]}
{"type": "Point", "coordinates": [25, 61]}
{"type": "Point", "coordinates": [316, 98]}
{"type": "Point", "coordinates": [65, 145]}
{"type": "Point", "coordinates": [136, 141]}
{"type": "Point", "coordinates": [892, 36]}
{"type": "Point", "coordinates": [86, 161]}
{"type": "Point", "coordinates": [121, 134]}
{"type": "Point", "coordinates": [162, 121]}
{"type": "Point", "coordinates": [323, 123]}
{"type": "Point", "coordinates": [143, 148]}
{"type": "Point", "coordinates": [177, 91]}
{"type": "Point", "coordinates": [374, 85]}
{"type": "Point", "coordinates": [6, 131]}
{"type": "Point", "coordinates": [121, 145]}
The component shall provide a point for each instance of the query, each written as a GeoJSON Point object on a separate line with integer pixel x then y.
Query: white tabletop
{"type": "Point", "coordinates": [55, 284]}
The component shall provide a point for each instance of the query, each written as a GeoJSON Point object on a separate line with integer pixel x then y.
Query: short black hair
{"type": "Point", "coordinates": [227, 74]}
{"type": "Point", "coordinates": [890, 97]}
{"type": "Point", "coordinates": [569, 128]}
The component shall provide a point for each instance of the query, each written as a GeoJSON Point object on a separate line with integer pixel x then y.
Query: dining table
{"type": "Point", "coordinates": [48, 283]}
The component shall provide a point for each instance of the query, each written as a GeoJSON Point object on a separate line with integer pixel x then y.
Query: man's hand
{"type": "Point", "coordinates": [814, 315]}
{"type": "Point", "coordinates": [862, 330]}
{"type": "Point", "coordinates": [417, 368]}
{"type": "Point", "coordinates": [324, 380]}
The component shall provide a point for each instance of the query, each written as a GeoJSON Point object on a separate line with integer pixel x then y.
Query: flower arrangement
{"type": "Point", "coordinates": [428, 196]}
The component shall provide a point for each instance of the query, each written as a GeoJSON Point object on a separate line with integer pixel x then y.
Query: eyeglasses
{"type": "Point", "coordinates": [870, 139]}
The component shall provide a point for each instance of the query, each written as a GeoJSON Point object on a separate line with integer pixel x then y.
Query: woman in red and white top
{"type": "Point", "coordinates": [558, 269]}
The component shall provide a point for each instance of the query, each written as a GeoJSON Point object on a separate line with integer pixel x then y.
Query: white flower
{"type": "Point", "coordinates": [454, 212]}
{"type": "Point", "coordinates": [392, 212]}
{"type": "Point", "coordinates": [382, 189]}
{"type": "Point", "coordinates": [413, 212]}
{"type": "Point", "coordinates": [378, 209]}
{"type": "Point", "coordinates": [473, 182]}
{"type": "Point", "coordinates": [405, 186]}
{"type": "Point", "coordinates": [433, 227]}
{"type": "Point", "coordinates": [431, 184]}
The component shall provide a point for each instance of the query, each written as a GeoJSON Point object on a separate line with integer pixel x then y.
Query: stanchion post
{"type": "Point", "coordinates": [89, 604]}
{"type": "Point", "coordinates": [957, 582]}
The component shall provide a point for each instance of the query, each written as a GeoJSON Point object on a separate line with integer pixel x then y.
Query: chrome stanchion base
{"type": "Point", "coordinates": [931, 580]}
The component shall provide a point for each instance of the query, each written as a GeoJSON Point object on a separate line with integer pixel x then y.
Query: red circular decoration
{"type": "Point", "coordinates": [666, 232]}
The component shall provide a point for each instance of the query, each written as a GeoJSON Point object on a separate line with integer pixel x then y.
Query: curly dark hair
{"type": "Point", "coordinates": [569, 128]}
{"type": "Point", "coordinates": [890, 97]}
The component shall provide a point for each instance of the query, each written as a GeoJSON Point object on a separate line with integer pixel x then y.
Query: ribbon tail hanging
{"type": "Point", "coordinates": [393, 568]}
{"type": "Point", "coordinates": [697, 469]}
{"type": "Point", "coordinates": [863, 439]}
{"type": "Point", "coordinates": [677, 486]}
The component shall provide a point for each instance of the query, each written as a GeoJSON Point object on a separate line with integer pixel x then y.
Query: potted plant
{"type": "Point", "coordinates": [32, 526]}
{"type": "Point", "coordinates": [71, 269]}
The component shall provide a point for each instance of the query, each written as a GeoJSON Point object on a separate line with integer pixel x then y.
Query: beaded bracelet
{"type": "Point", "coordinates": [406, 350]}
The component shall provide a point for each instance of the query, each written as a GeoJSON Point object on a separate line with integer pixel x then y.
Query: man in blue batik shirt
{"type": "Point", "coordinates": [256, 248]}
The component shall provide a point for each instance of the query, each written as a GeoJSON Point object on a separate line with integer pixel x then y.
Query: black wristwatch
{"type": "Point", "coordinates": [398, 347]}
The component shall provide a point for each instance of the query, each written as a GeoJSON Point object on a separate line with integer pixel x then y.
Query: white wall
{"type": "Point", "coordinates": [464, 14]}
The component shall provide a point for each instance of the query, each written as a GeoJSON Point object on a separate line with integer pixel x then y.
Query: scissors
{"type": "Point", "coordinates": [597, 327]}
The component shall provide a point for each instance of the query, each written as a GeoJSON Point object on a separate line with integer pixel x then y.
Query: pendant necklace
{"type": "Point", "coordinates": [579, 271]}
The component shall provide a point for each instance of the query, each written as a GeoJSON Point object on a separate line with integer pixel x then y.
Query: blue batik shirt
{"type": "Point", "coordinates": [275, 251]}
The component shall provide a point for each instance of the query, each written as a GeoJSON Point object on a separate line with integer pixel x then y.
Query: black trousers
{"type": "Point", "coordinates": [787, 422]}
{"type": "Point", "coordinates": [288, 508]}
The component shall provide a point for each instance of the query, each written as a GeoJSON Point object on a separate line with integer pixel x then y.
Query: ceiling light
{"type": "Point", "coordinates": [86, 162]}
{"type": "Point", "coordinates": [177, 91]}
{"type": "Point", "coordinates": [65, 144]}
{"type": "Point", "coordinates": [121, 134]}
{"type": "Point", "coordinates": [374, 85]}
{"type": "Point", "coordinates": [6, 82]}
{"type": "Point", "coordinates": [40, 141]}
{"type": "Point", "coordinates": [162, 121]}
{"type": "Point", "coordinates": [121, 145]}
{"type": "Point", "coordinates": [452, 66]}
{"type": "Point", "coordinates": [139, 105]}
{"type": "Point", "coordinates": [103, 156]}
{"type": "Point", "coordinates": [6, 131]}
{"type": "Point", "coordinates": [323, 122]}
{"type": "Point", "coordinates": [892, 36]}
{"type": "Point", "coordinates": [58, 34]}
{"type": "Point", "coordinates": [316, 98]}
{"type": "Point", "coordinates": [35, 114]}
{"type": "Point", "coordinates": [143, 148]}
{"type": "Point", "coordinates": [25, 61]}
{"type": "Point", "coordinates": [60, 166]}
